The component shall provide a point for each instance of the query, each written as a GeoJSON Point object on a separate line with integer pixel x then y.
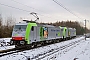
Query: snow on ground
{"type": "Point", "coordinates": [4, 44]}
{"type": "Point", "coordinates": [6, 47]}
{"type": "Point", "coordinates": [80, 50]}
{"type": "Point", "coordinates": [4, 41]}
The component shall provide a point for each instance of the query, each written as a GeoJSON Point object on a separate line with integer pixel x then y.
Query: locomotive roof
{"type": "Point", "coordinates": [45, 25]}
{"type": "Point", "coordinates": [48, 25]}
{"type": "Point", "coordinates": [21, 23]}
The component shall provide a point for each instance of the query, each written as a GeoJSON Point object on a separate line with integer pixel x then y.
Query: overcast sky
{"type": "Point", "coordinates": [47, 10]}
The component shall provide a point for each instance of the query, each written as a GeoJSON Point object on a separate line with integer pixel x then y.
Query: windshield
{"type": "Point", "coordinates": [20, 27]}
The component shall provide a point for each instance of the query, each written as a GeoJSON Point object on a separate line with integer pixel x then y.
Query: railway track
{"type": "Point", "coordinates": [10, 51]}
{"type": "Point", "coordinates": [53, 51]}
{"type": "Point", "coordinates": [4, 51]}
{"type": "Point", "coordinates": [15, 50]}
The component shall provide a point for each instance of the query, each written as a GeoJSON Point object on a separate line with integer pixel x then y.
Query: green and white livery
{"type": "Point", "coordinates": [34, 33]}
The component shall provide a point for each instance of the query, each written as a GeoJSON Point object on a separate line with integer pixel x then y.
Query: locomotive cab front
{"type": "Point", "coordinates": [18, 34]}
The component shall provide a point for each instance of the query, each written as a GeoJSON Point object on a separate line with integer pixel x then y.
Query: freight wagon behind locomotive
{"type": "Point", "coordinates": [32, 33]}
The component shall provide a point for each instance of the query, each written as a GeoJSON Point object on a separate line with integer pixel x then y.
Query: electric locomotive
{"type": "Point", "coordinates": [32, 33]}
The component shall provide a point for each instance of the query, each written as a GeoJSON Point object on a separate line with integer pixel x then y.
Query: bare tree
{"type": "Point", "coordinates": [1, 25]}
{"type": "Point", "coordinates": [0, 20]}
{"type": "Point", "coordinates": [10, 21]}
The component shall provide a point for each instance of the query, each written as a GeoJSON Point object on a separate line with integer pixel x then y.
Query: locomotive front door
{"type": "Point", "coordinates": [32, 34]}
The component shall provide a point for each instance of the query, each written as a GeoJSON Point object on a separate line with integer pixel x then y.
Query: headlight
{"type": "Point", "coordinates": [22, 42]}
{"type": "Point", "coordinates": [23, 38]}
{"type": "Point", "coordinates": [13, 38]}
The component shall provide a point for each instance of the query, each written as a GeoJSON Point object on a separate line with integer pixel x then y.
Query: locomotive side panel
{"type": "Point", "coordinates": [58, 33]}
{"type": "Point", "coordinates": [38, 34]}
{"type": "Point", "coordinates": [72, 32]}
{"type": "Point", "coordinates": [51, 33]}
{"type": "Point", "coordinates": [67, 32]}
